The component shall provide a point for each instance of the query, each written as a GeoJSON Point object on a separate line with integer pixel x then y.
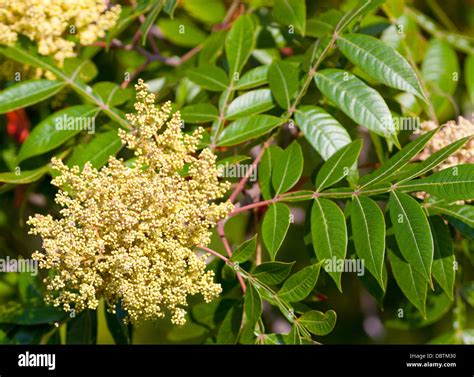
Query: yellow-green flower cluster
{"type": "Point", "coordinates": [128, 233]}
{"type": "Point", "coordinates": [49, 22]}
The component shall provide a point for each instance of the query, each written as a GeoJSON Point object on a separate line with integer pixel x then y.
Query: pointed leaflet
{"type": "Point", "coordinates": [454, 183]}
{"type": "Point", "coordinates": [368, 231]}
{"type": "Point", "coordinates": [229, 329]}
{"type": "Point", "coordinates": [360, 102]}
{"type": "Point", "coordinates": [265, 170]}
{"type": "Point", "coordinates": [412, 232]}
{"type": "Point", "coordinates": [323, 132]}
{"type": "Point", "coordinates": [27, 93]}
{"type": "Point", "coordinates": [380, 61]}
{"type": "Point", "coordinates": [288, 168]}
{"type": "Point", "coordinates": [247, 128]}
{"type": "Point", "coordinates": [253, 78]}
{"type": "Point", "coordinates": [252, 306]}
{"type": "Point", "coordinates": [239, 44]}
{"type": "Point", "coordinates": [209, 77]}
{"type": "Point", "coordinates": [329, 235]}
{"type": "Point", "coordinates": [245, 250]}
{"type": "Point", "coordinates": [25, 176]}
{"type": "Point", "coordinates": [47, 135]}
{"type": "Point", "coordinates": [199, 113]}
{"type": "Point", "coordinates": [338, 166]}
{"type": "Point", "coordinates": [150, 19]}
{"type": "Point", "coordinates": [318, 323]}
{"type": "Point", "coordinates": [272, 273]}
{"type": "Point", "coordinates": [410, 281]}
{"type": "Point", "coordinates": [291, 12]}
{"type": "Point", "coordinates": [299, 285]}
{"type": "Point", "coordinates": [465, 213]}
{"type": "Point", "coordinates": [283, 79]}
{"type": "Point", "coordinates": [250, 103]}
{"type": "Point", "coordinates": [274, 227]}
{"type": "Point", "coordinates": [443, 260]}
{"type": "Point", "coordinates": [398, 161]}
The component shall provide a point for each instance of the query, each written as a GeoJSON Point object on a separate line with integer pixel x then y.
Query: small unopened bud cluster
{"type": "Point", "coordinates": [48, 22]}
{"type": "Point", "coordinates": [128, 234]}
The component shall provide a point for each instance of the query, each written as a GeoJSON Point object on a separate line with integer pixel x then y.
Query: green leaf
{"type": "Point", "coordinates": [27, 93]}
{"type": "Point", "coordinates": [252, 306]}
{"type": "Point", "coordinates": [323, 132]}
{"type": "Point", "coordinates": [411, 282]}
{"type": "Point", "coordinates": [319, 323]}
{"type": "Point", "coordinates": [212, 48]}
{"type": "Point", "coordinates": [250, 103]}
{"type": "Point", "coordinates": [398, 161]}
{"type": "Point", "coordinates": [182, 32]}
{"type": "Point", "coordinates": [274, 227]}
{"type": "Point", "coordinates": [434, 159]}
{"type": "Point", "coordinates": [199, 113]}
{"type": "Point", "coordinates": [17, 314]}
{"type": "Point", "coordinates": [323, 24]}
{"type": "Point", "coordinates": [253, 78]}
{"type": "Point", "coordinates": [150, 19]}
{"type": "Point", "coordinates": [299, 285]}
{"type": "Point", "coordinates": [465, 213]}
{"type": "Point", "coordinates": [239, 44]}
{"type": "Point", "coordinates": [469, 76]}
{"type": "Point", "coordinates": [380, 61]}
{"type": "Point", "coordinates": [116, 325]}
{"type": "Point", "coordinates": [208, 11]}
{"type": "Point", "coordinates": [46, 135]}
{"type": "Point", "coordinates": [170, 6]}
{"type": "Point", "coordinates": [272, 273]}
{"type": "Point", "coordinates": [247, 128]}
{"type": "Point", "coordinates": [437, 306]}
{"type": "Point", "coordinates": [83, 328]}
{"type": "Point", "coordinates": [329, 236]}
{"type": "Point", "coordinates": [439, 64]}
{"type": "Point", "coordinates": [291, 12]}
{"type": "Point", "coordinates": [82, 70]}
{"type": "Point", "coordinates": [412, 232]}
{"type": "Point", "coordinates": [443, 257]}
{"type": "Point", "coordinates": [230, 327]}
{"type": "Point", "coordinates": [209, 77]}
{"type": "Point", "coordinates": [288, 168]}
{"type": "Point", "coordinates": [265, 168]}
{"type": "Point", "coordinates": [454, 183]}
{"type": "Point", "coordinates": [368, 230]}
{"type": "Point", "coordinates": [284, 82]}
{"type": "Point", "coordinates": [111, 94]}
{"type": "Point", "coordinates": [338, 165]}
{"type": "Point", "coordinates": [360, 102]}
{"type": "Point", "coordinates": [97, 151]}
{"type": "Point", "coordinates": [24, 176]}
{"type": "Point", "coordinates": [245, 250]}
